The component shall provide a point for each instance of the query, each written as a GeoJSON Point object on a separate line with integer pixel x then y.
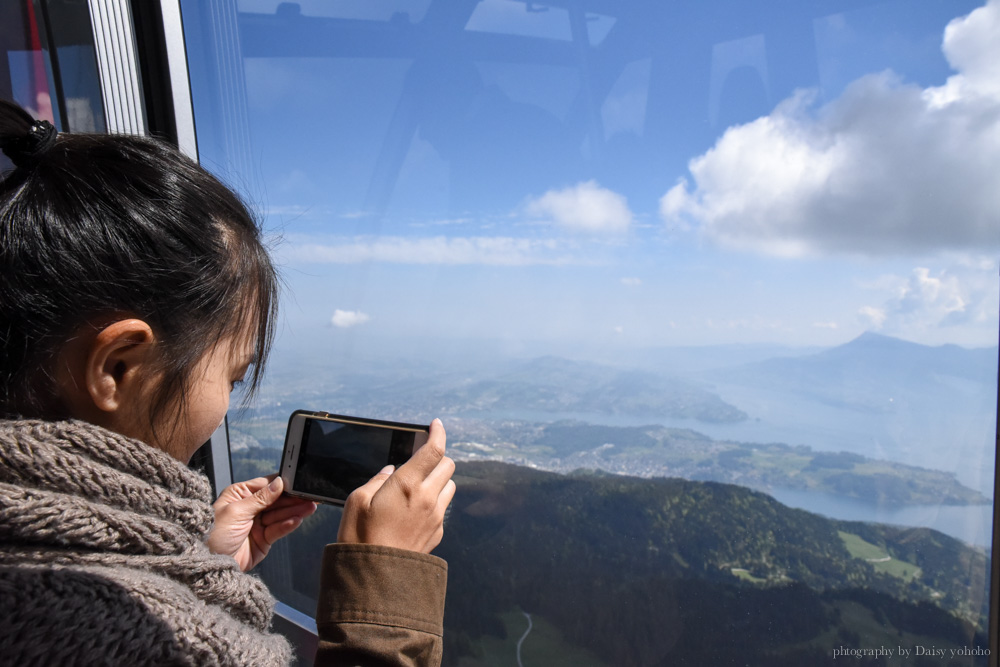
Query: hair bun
{"type": "Point", "coordinates": [26, 149]}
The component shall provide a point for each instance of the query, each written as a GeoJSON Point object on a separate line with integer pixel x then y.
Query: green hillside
{"type": "Point", "coordinates": [647, 572]}
{"type": "Point", "coordinates": [627, 571]}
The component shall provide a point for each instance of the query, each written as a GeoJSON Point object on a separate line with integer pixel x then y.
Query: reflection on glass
{"type": "Point", "coordinates": [26, 74]}
{"type": "Point", "coordinates": [47, 63]}
{"type": "Point", "coordinates": [705, 296]}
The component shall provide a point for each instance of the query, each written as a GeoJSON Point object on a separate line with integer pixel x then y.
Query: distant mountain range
{"type": "Point", "coordinates": [878, 397]}
{"type": "Point", "coordinates": [876, 373]}
{"type": "Point", "coordinates": [544, 385]}
{"type": "Point", "coordinates": [556, 385]}
{"type": "Point", "coordinates": [872, 374]}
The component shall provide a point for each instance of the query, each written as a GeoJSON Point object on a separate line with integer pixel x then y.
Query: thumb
{"type": "Point", "coordinates": [266, 496]}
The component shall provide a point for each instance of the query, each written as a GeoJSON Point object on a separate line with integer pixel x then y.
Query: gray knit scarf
{"type": "Point", "coordinates": [103, 561]}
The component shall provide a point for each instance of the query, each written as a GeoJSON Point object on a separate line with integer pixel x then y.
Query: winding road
{"type": "Point", "coordinates": [523, 637]}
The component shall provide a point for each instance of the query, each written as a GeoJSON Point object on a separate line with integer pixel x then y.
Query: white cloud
{"type": "Point", "coordinates": [585, 207]}
{"type": "Point", "coordinates": [872, 317]}
{"type": "Point", "coordinates": [943, 293]}
{"type": "Point", "coordinates": [288, 211]}
{"type": "Point", "coordinates": [970, 47]}
{"type": "Point", "coordinates": [631, 282]}
{"type": "Point", "coordinates": [888, 168]}
{"type": "Point", "coordinates": [976, 262]}
{"type": "Point", "coordinates": [927, 300]}
{"type": "Point", "coordinates": [825, 325]}
{"type": "Point", "coordinates": [483, 250]}
{"type": "Point", "coordinates": [344, 319]}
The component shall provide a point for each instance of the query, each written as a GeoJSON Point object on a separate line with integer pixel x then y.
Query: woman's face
{"type": "Point", "coordinates": [109, 376]}
{"type": "Point", "coordinates": [206, 400]}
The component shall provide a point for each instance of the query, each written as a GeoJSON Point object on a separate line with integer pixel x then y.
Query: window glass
{"type": "Point", "coordinates": [704, 293]}
{"type": "Point", "coordinates": [47, 63]}
{"type": "Point", "coordinates": [75, 70]}
{"type": "Point", "coordinates": [25, 78]}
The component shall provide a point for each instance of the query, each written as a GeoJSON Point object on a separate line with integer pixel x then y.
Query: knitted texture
{"type": "Point", "coordinates": [103, 560]}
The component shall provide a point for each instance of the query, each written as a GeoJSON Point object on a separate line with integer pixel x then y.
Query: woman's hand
{"type": "Point", "coordinates": [404, 508]}
{"type": "Point", "coordinates": [253, 515]}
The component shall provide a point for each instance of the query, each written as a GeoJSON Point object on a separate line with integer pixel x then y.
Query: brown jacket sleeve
{"type": "Point", "coordinates": [380, 606]}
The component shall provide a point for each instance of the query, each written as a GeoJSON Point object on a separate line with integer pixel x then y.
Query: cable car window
{"type": "Point", "coordinates": [47, 64]}
{"type": "Point", "coordinates": [705, 295]}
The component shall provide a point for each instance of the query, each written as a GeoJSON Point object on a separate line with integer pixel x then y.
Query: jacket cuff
{"type": "Point", "coordinates": [362, 583]}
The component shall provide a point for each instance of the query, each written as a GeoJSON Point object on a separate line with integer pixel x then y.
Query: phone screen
{"type": "Point", "coordinates": [336, 458]}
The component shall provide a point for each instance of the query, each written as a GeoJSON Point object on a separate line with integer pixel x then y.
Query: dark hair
{"type": "Point", "coordinates": [97, 226]}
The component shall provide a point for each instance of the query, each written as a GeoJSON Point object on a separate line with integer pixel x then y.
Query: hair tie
{"type": "Point", "coordinates": [25, 150]}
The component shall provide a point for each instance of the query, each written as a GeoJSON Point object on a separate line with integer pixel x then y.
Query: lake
{"type": "Point", "coordinates": [970, 523]}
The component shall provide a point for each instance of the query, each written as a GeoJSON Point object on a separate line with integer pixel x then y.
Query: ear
{"type": "Point", "coordinates": [119, 359]}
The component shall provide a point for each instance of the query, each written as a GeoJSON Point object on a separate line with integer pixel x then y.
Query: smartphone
{"type": "Point", "coordinates": [327, 456]}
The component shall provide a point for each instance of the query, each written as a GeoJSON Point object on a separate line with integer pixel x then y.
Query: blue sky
{"type": "Point", "coordinates": [717, 178]}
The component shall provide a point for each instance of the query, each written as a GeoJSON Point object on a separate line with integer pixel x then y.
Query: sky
{"type": "Point", "coordinates": [722, 173]}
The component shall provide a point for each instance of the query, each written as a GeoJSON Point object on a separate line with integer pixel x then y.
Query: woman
{"type": "Point", "coordinates": [136, 293]}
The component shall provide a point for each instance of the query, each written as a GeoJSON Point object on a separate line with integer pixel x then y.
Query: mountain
{"type": "Point", "coordinates": [555, 385]}
{"type": "Point", "coordinates": [674, 572]}
{"type": "Point", "coordinates": [541, 386]}
{"type": "Point", "coordinates": [876, 373]}
{"type": "Point", "coordinates": [870, 351]}
{"type": "Point", "coordinates": [877, 396]}
{"type": "Point", "coordinates": [689, 360]}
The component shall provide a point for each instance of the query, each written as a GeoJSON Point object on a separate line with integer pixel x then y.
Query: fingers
{"type": "Point", "coordinates": [287, 501]}
{"type": "Point", "coordinates": [443, 500]}
{"type": "Point", "coordinates": [405, 509]}
{"type": "Point", "coordinates": [428, 470]}
{"type": "Point", "coordinates": [446, 496]}
{"type": "Point", "coordinates": [236, 492]}
{"type": "Point", "coordinates": [441, 475]}
{"type": "Point", "coordinates": [257, 483]}
{"type": "Point", "coordinates": [428, 467]}
{"type": "Point", "coordinates": [275, 531]}
{"type": "Point", "coordinates": [425, 459]}
{"type": "Point", "coordinates": [300, 509]}
{"type": "Point", "coordinates": [267, 495]}
{"type": "Point", "coordinates": [367, 491]}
